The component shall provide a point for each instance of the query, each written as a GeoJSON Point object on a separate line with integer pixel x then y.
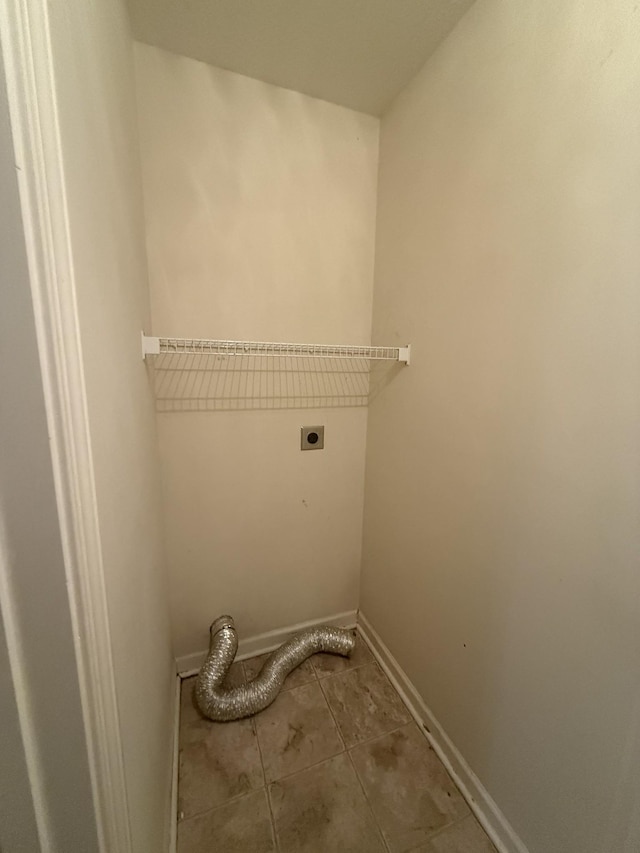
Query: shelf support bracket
{"type": "Point", "coordinates": [150, 345]}
{"type": "Point", "coordinates": [404, 354]}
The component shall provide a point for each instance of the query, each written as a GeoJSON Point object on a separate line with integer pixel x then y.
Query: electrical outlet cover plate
{"type": "Point", "coordinates": [312, 438]}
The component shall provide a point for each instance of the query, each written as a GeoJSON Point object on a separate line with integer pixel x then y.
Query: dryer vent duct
{"type": "Point", "coordinates": [232, 703]}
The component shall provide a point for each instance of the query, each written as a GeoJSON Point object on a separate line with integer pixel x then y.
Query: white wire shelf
{"type": "Point", "coordinates": [157, 346]}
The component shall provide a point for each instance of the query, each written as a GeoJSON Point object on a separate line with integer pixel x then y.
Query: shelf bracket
{"type": "Point", "coordinates": [150, 345]}
{"type": "Point", "coordinates": [404, 354]}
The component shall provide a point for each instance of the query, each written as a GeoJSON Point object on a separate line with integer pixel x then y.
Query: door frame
{"type": "Point", "coordinates": [28, 59]}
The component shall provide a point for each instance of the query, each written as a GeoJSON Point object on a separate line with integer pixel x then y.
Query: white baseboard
{"type": "Point", "coordinates": [173, 815]}
{"type": "Point", "coordinates": [260, 643]}
{"type": "Point", "coordinates": [480, 802]}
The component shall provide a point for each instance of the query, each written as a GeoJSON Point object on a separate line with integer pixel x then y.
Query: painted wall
{"type": "Point", "coordinates": [501, 523]}
{"type": "Point", "coordinates": [93, 68]}
{"type": "Point", "coordinates": [260, 212]}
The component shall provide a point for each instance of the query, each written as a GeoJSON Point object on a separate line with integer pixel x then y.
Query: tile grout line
{"type": "Point", "coordinates": [355, 770]}
{"type": "Point", "coordinates": [221, 805]}
{"type": "Point", "coordinates": [395, 693]}
{"type": "Point", "coordinates": [333, 717]}
{"type": "Point", "coordinates": [189, 724]}
{"type": "Point", "coordinates": [274, 831]}
{"type": "Point", "coordinates": [350, 749]}
{"type": "Point", "coordinates": [353, 669]}
{"type": "Point", "coordinates": [421, 729]}
{"type": "Point", "coordinates": [343, 751]}
{"type": "Point", "coordinates": [267, 783]}
{"type": "Point", "coordinates": [266, 787]}
{"type": "Point", "coordinates": [379, 737]}
{"type": "Point", "coordinates": [367, 741]}
{"type": "Point", "coordinates": [304, 769]}
{"type": "Point", "coordinates": [424, 735]}
{"type": "Point", "coordinates": [370, 807]}
{"type": "Point", "coordinates": [449, 826]}
{"type": "Point", "coordinates": [350, 760]}
{"type": "Point", "coordinates": [321, 760]}
{"type": "Point", "coordinates": [274, 834]}
{"type": "Point", "coordinates": [469, 816]}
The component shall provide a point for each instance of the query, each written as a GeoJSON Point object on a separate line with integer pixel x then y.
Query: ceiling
{"type": "Point", "coordinates": [358, 53]}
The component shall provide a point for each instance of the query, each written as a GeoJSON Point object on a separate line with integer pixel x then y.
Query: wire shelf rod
{"type": "Point", "coordinates": [157, 346]}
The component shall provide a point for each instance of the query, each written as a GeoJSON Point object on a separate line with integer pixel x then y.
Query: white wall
{"type": "Point", "coordinates": [260, 212]}
{"type": "Point", "coordinates": [501, 522]}
{"type": "Point", "coordinates": [93, 68]}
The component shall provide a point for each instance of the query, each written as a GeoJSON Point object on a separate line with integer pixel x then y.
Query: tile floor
{"type": "Point", "coordinates": [336, 763]}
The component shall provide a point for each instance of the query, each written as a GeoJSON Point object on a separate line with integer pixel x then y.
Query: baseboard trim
{"type": "Point", "coordinates": [480, 802]}
{"type": "Point", "coordinates": [175, 747]}
{"type": "Point", "coordinates": [261, 643]}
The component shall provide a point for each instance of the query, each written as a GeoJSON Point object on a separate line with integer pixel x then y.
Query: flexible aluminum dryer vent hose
{"type": "Point", "coordinates": [231, 703]}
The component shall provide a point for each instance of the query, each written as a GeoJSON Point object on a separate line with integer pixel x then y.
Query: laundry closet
{"type": "Point", "coordinates": [271, 195]}
{"type": "Point", "coordinates": [436, 272]}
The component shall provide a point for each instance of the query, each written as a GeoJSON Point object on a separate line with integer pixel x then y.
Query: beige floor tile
{"type": "Point", "coordinates": [296, 732]}
{"type": "Point", "coordinates": [325, 664]}
{"type": "Point", "coordinates": [188, 709]}
{"type": "Point", "coordinates": [218, 761]}
{"type": "Point", "coordinates": [242, 826]}
{"type": "Point", "coordinates": [317, 798]}
{"type": "Point", "coordinates": [464, 837]}
{"type": "Point", "coordinates": [302, 674]}
{"type": "Point", "coordinates": [323, 810]}
{"type": "Point", "coordinates": [410, 792]}
{"type": "Point", "coordinates": [364, 703]}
